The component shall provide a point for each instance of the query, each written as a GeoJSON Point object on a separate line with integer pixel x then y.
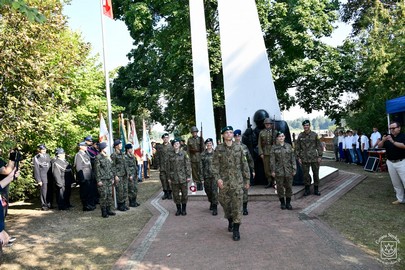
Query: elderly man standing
{"type": "Point", "coordinates": [265, 142]}
{"type": "Point", "coordinates": [42, 165]}
{"type": "Point", "coordinates": [195, 145]}
{"type": "Point", "coordinates": [394, 145]}
{"type": "Point", "coordinates": [309, 151]}
{"type": "Point", "coordinates": [231, 171]}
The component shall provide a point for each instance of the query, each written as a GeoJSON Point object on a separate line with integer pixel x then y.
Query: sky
{"type": "Point", "coordinates": [85, 16]}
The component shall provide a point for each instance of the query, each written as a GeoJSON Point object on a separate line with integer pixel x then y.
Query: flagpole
{"type": "Point", "coordinates": [107, 80]}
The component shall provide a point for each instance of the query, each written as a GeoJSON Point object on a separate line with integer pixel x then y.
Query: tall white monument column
{"type": "Point", "coordinates": [248, 81]}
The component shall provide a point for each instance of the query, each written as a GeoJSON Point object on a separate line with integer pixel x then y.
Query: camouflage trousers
{"type": "Point", "coordinates": [195, 170]}
{"type": "Point", "coordinates": [211, 189]}
{"type": "Point", "coordinates": [132, 188]}
{"type": "Point", "coordinates": [122, 189]}
{"type": "Point", "coordinates": [106, 199]}
{"type": "Point", "coordinates": [266, 166]}
{"type": "Point", "coordinates": [177, 188]}
{"type": "Point", "coordinates": [284, 186]}
{"type": "Point", "coordinates": [245, 195]}
{"type": "Point", "coordinates": [230, 199]}
{"type": "Point", "coordinates": [164, 179]}
{"type": "Point", "coordinates": [315, 173]}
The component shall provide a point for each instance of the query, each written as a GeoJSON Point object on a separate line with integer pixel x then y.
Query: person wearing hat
{"type": "Point", "coordinates": [210, 185]}
{"type": "Point", "coordinates": [265, 142]}
{"type": "Point", "coordinates": [309, 152]}
{"type": "Point", "coordinates": [238, 137]}
{"type": "Point", "coordinates": [162, 159]}
{"type": "Point", "coordinates": [42, 166]}
{"type": "Point", "coordinates": [195, 146]}
{"type": "Point", "coordinates": [132, 172]}
{"type": "Point", "coordinates": [283, 167]}
{"type": "Point", "coordinates": [105, 180]}
{"type": "Point", "coordinates": [120, 175]}
{"type": "Point", "coordinates": [83, 167]}
{"type": "Point", "coordinates": [231, 171]}
{"type": "Point", "coordinates": [63, 175]}
{"type": "Point", "coordinates": [179, 176]}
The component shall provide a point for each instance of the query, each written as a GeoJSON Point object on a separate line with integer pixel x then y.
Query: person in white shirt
{"type": "Point", "coordinates": [364, 146]}
{"type": "Point", "coordinates": [375, 138]}
{"type": "Point", "coordinates": [351, 158]}
{"type": "Point", "coordinates": [356, 147]}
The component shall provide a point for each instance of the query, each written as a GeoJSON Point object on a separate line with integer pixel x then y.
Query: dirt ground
{"type": "Point", "coordinates": [73, 239]}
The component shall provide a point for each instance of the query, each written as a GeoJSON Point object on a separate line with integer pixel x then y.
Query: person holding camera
{"type": "Point", "coordinates": [394, 144]}
{"type": "Point", "coordinates": [5, 239]}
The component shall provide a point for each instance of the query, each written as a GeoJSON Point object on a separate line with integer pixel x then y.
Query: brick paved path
{"type": "Point", "coordinates": [271, 238]}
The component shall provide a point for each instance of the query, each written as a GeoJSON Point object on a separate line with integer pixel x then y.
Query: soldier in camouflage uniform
{"type": "Point", "coordinates": [265, 142]}
{"type": "Point", "coordinates": [195, 147]}
{"type": "Point", "coordinates": [231, 171]}
{"type": "Point", "coordinates": [210, 185]}
{"type": "Point", "coordinates": [120, 175]}
{"type": "Point", "coordinates": [283, 168]}
{"type": "Point", "coordinates": [309, 152]}
{"type": "Point", "coordinates": [105, 180]}
{"type": "Point", "coordinates": [132, 169]}
{"type": "Point", "coordinates": [238, 137]}
{"type": "Point", "coordinates": [162, 160]}
{"type": "Point", "coordinates": [179, 176]}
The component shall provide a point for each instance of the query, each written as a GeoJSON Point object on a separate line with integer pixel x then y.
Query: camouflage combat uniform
{"type": "Point", "coordinates": [194, 151]}
{"type": "Point", "coordinates": [265, 142]}
{"type": "Point", "coordinates": [179, 171]}
{"type": "Point", "coordinates": [132, 170]}
{"type": "Point", "coordinates": [229, 164]}
{"type": "Point", "coordinates": [309, 149]}
{"type": "Point", "coordinates": [210, 185]}
{"type": "Point", "coordinates": [251, 169]}
{"type": "Point", "coordinates": [120, 170]}
{"type": "Point", "coordinates": [104, 174]}
{"type": "Point", "coordinates": [162, 159]}
{"type": "Point", "coordinates": [283, 164]}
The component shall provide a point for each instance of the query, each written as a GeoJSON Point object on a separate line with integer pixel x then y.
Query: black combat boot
{"type": "Point", "coordinates": [169, 195]}
{"type": "Point", "coordinates": [164, 197]}
{"type": "Point", "coordinates": [132, 203]}
{"type": "Point", "coordinates": [211, 206]}
{"type": "Point", "coordinates": [121, 207]}
{"type": "Point", "coordinates": [214, 210]}
{"type": "Point", "coordinates": [245, 210]}
{"type": "Point", "coordinates": [307, 191]}
{"type": "Point", "coordinates": [104, 212]}
{"type": "Point", "coordinates": [288, 204]}
{"type": "Point", "coordinates": [110, 212]}
{"type": "Point", "coordinates": [125, 205]}
{"type": "Point", "coordinates": [178, 213]}
{"type": "Point", "coordinates": [236, 234]}
{"type": "Point", "coordinates": [316, 191]}
{"type": "Point", "coordinates": [282, 203]}
{"type": "Point", "coordinates": [230, 224]}
{"type": "Point", "coordinates": [136, 203]}
{"type": "Point", "coordinates": [183, 209]}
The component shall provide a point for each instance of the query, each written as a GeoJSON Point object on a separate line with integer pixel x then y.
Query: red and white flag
{"type": "Point", "coordinates": [103, 137]}
{"type": "Point", "coordinates": [107, 9]}
{"type": "Point", "coordinates": [133, 138]}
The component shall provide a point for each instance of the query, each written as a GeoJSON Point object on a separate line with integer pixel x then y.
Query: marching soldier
{"type": "Point", "coordinates": [62, 172]}
{"type": "Point", "coordinates": [105, 180]}
{"type": "Point", "coordinates": [238, 136]}
{"type": "Point", "coordinates": [231, 172]}
{"type": "Point", "coordinates": [180, 175]}
{"type": "Point", "coordinates": [194, 147]}
{"type": "Point", "coordinates": [42, 165]}
{"type": "Point", "coordinates": [120, 175]}
{"type": "Point", "coordinates": [265, 142]}
{"type": "Point", "coordinates": [162, 159]}
{"type": "Point", "coordinates": [283, 168]}
{"type": "Point", "coordinates": [83, 176]}
{"type": "Point", "coordinates": [132, 168]}
{"type": "Point", "coordinates": [309, 151]}
{"type": "Point", "coordinates": [210, 185]}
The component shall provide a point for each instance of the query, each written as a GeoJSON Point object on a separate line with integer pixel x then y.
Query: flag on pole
{"type": "Point", "coordinates": [104, 135]}
{"type": "Point", "coordinates": [107, 9]}
{"type": "Point", "coordinates": [146, 144]}
{"type": "Point", "coordinates": [122, 132]}
{"type": "Point", "coordinates": [133, 138]}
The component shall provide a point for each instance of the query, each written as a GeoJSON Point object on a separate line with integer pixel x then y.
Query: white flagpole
{"type": "Point", "coordinates": [107, 81]}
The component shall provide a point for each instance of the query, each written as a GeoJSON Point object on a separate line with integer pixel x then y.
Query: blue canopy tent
{"type": "Point", "coordinates": [395, 106]}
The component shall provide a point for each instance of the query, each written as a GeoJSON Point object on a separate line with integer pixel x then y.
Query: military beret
{"type": "Point", "coordinates": [128, 146]}
{"type": "Point", "coordinates": [208, 140]}
{"type": "Point", "coordinates": [306, 122]}
{"type": "Point", "coordinates": [226, 129]}
{"type": "Point", "coordinates": [102, 145]}
{"type": "Point", "coordinates": [41, 147]}
{"type": "Point", "coordinates": [237, 132]}
{"type": "Point", "coordinates": [175, 140]}
{"type": "Point", "coordinates": [279, 133]}
{"type": "Point", "coordinates": [117, 142]}
{"type": "Point", "coordinates": [88, 138]}
{"type": "Point", "coordinates": [165, 135]}
{"type": "Point", "coordinates": [59, 151]}
{"type": "Point", "coordinates": [82, 144]}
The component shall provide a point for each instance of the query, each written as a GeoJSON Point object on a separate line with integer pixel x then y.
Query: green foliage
{"type": "Point", "coordinates": [317, 123]}
{"type": "Point", "coordinates": [21, 6]}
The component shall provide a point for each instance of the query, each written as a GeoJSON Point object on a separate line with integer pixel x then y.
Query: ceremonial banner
{"type": "Point", "coordinates": [146, 143]}
{"type": "Point", "coordinates": [107, 8]}
{"type": "Point", "coordinates": [133, 138]}
{"type": "Point", "coordinates": [122, 133]}
{"type": "Point", "coordinates": [104, 134]}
